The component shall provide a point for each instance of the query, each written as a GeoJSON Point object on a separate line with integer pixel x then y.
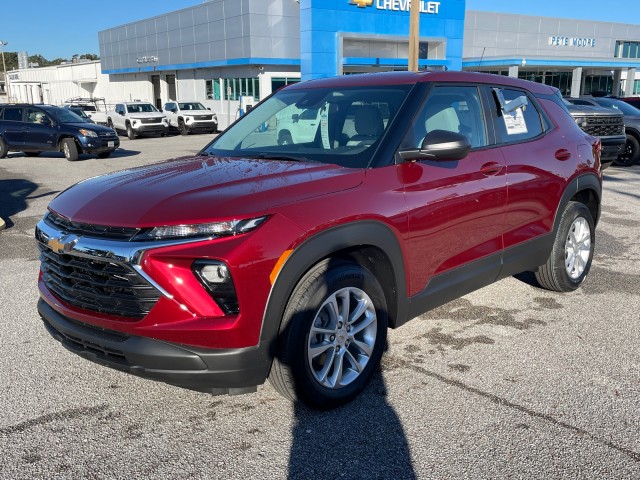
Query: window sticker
{"type": "Point", "coordinates": [324, 128]}
{"type": "Point", "coordinates": [514, 122]}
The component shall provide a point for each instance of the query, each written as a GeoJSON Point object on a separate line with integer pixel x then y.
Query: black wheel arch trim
{"type": "Point", "coordinates": [354, 236]}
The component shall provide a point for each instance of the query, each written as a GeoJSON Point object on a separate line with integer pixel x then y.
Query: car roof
{"type": "Point", "coordinates": [404, 78]}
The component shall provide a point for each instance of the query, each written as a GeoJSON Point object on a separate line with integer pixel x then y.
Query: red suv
{"type": "Point", "coordinates": [261, 259]}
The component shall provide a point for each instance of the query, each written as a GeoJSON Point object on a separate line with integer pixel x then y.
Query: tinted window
{"type": "Point", "coordinates": [522, 124]}
{"type": "Point", "coordinates": [35, 115]}
{"type": "Point", "coordinates": [13, 114]}
{"type": "Point", "coordinates": [454, 109]}
{"type": "Point", "coordinates": [624, 107]}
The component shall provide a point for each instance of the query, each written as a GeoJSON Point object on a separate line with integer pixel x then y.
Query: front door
{"type": "Point", "coordinates": [455, 208]}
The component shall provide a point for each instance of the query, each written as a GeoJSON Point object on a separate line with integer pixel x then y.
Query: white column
{"type": "Point", "coordinates": [617, 77]}
{"type": "Point", "coordinates": [628, 87]}
{"type": "Point", "coordinates": [576, 81]}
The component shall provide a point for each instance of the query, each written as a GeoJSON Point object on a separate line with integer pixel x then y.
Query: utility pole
{"type": "Point", "coordinates": [4, 69]}
{"type": "Point", "coordinates": [414, 35]}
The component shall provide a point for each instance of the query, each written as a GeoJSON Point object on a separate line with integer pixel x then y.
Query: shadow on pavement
{"type": "Point", "coordinates": [361, 440]}
{"type": "Point", "coordinates": [14, 194]}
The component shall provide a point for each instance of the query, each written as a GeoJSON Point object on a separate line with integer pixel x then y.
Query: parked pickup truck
{"type": "Point", "coordinates": [138, 118]}
{"type": "Point", "coordinates": [189, 117]}
{"type": "Point", "coordinates": [604, 123]}
{"type": "Point", "coordinates": [94, 108]}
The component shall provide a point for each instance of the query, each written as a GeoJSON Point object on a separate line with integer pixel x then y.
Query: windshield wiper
{"type": "Point", "coordinates": [270, 156]}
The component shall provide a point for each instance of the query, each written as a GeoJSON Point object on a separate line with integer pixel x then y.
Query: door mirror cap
{"type": "Point", "coordinates": [439, 145]}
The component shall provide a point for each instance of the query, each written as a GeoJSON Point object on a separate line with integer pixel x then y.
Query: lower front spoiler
{"type": "Point", "coordinates": [216, 371]}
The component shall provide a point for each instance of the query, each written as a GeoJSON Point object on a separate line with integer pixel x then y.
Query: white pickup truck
{"type": "Point", "coordinates": [94, 108]}
{"type": "Point", "coordinates": [189, 117]}
{"type": "Point", "coordinates": [138, 118]}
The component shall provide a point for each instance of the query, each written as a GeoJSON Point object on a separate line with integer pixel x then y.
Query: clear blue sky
{"type": "Point", "coordinates": [61, 28]}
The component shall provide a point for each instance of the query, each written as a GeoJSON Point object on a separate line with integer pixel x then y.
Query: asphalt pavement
{"type": "Point", "coordinates": [510, 381]}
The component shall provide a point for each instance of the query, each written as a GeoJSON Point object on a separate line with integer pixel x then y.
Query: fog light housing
{"type": "Point", "coordinates": [215, 277]}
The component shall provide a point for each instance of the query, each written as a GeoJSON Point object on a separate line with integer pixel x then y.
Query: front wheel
{"type": "Point", "coordinates": [333, 335]}
{"type": "Point", "coordinates": [572, 253]}
{"type": "Point", "coordinates": [182, 128]}
{"type": "Point", "coordinates": [70, 149]}
{"type": "Point", "coordinates": [3, 148]}
{"type": "Point", "coordinates": [131, 133]}
{"type": "Point", "coordinates": [631, 154]}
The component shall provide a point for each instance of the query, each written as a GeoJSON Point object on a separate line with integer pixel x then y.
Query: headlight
{"type": "Point", "coordinates": [88, 133]}
{"type": "Point", "coordinates": [581, 121]}
{"type": "Point", "coordinates": [217, 229]}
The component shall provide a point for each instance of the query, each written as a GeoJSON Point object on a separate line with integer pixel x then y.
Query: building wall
{"type": "Point", "coordinates": [488, 34]}
{"type": "Point", "coordinates": [216, 33]}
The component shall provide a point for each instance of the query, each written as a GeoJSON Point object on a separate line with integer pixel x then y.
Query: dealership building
{"type": "Point", "coordinates": [229, 54]}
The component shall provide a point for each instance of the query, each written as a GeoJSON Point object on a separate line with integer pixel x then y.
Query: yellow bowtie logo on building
{"type": "Point", "coordinates": [362, 3]}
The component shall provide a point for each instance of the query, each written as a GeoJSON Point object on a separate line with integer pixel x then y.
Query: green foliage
{"type": "Point", "coordinates": [11, 60]}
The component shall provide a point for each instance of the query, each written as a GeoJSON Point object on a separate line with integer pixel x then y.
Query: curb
{"type": "Point", "coordinates": [2, 224]}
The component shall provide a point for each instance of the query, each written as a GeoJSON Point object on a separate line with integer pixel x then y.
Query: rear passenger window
{"type": "Point", "coordinates": [523, 123]}
{"type": "Point", "coordinates": [13, 114]}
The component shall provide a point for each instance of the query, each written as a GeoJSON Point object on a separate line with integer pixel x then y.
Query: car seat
{"type": "Point", "coordinates": [368, 124]}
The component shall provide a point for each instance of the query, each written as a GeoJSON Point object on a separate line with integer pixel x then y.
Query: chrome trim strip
{"type": "Point", "coordinates": [128, 253]}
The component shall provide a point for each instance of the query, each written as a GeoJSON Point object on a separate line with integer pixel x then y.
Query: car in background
{"type": "Point", "coordinates": [190, 117]}
{"type": "Point", "coordinates": [34, 129]}
{"type": "Point", "coordinates": [80, 112]}
{"type": "Point", "coordinates": [603, 123]}
{"type": "Point", "coordinates": [137, 119]}
{"type": "Point", "coordinates": [631, 118]}
{"type": "Point", "coordinates": [633, 101]}
{"type": "Point", "coordinates": [259, 259]}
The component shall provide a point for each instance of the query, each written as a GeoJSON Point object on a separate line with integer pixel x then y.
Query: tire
{"type": "Point", "coordinates": [313, 343]}
{"type": "Point", "coordinates": [284, 138]}
{"type": "Point", "coordinates": [110, 125]}
{"type": "Point", "coordinates": [631, 154]}
{"type": "Point", "coordinates": [572, 253]}
{"type": "Point", "coordinates": [104, 154]}
{"type": "Point", "coordinates": [32, 154]}
{"type": "Point", "coordinates": [70, 149]}
{"type": "Point", "coordinates": [131, 133]}
{"type": "Point", "coordinates": [3, 148]}
{"type": "Point", "coordinates": [182, 128]}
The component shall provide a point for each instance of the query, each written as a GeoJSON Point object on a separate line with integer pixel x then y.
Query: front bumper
{"type": "Point", "coordinates": [202, 126]}
{"type": "Point", "coordinates": [99, 145]}
{"type": "Point", "coordinates": [216, 371]}
{"type": "Point", "coordinates": [611, 148]}
{"type": "Point", "coordinates": [153, 128]}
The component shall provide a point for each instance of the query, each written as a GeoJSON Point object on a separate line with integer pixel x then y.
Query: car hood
{"type": "Point", "coordinates": [592, 111]}
{"type": "Point", "coordinates": [195, 112]}
{"type": "Point", "coordinates": [146, 115]}
{"type": "Point", "coordinates": [199, 190]}
{"type": "Point", "coordinates": [90, 126]}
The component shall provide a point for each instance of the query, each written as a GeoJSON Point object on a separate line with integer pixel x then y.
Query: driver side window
{"type": "Point", "coordinates": [454, 109]}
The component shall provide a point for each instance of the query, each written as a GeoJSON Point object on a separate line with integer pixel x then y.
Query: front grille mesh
{"type": "Point", "coordinates": [151, 120]}
{"type": "Point", "coordinates": [97, 285]}
{"type": "Point", "coordinates": [86, 230]}
{"type": "Point", "coordinates": [604, 126]}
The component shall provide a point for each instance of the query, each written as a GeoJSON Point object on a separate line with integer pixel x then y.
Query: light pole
{"type": "Point", "coordinates": [4, 69]}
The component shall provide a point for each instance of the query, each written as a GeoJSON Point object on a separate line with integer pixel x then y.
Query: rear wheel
{"type": "Point", "coordinates": [70, 149]}
{"type": "Point", "coordinates": [631, 153]}
{"type": "Point", "coordinates": [3, 148]}
{"type": "Point", "coordinates": [131, 133]}
{"type": "Point", "coordinates": [570, 259]}
{"type": "Point", "coordinates": [333, 334]}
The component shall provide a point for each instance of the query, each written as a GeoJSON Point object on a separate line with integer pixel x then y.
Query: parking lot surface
{"type": "Point", "coordinates": [510, 381]}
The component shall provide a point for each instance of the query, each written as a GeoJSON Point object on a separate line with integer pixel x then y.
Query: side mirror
{"type": "Point", "coordinates": [121, 114]}
{"type": "Point", "coordinates": [46, 121]}
{"type": "Point", "coordinates": [295, 117]}
{"type": "Point", "coordinates": [439, 145]}
{"type": "Point", "coordinates": [208, 108]}
{"type": "Point", "coordinates": [174, 110]}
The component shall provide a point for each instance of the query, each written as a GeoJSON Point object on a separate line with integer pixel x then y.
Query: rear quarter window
{"type": "Point", "coordinates": [520, 125]}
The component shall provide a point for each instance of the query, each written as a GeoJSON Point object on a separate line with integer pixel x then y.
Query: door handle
{"type": "Point", "coordinates": [490, 168]}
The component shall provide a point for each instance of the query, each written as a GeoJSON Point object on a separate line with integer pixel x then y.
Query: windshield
{"type": "Point", "coordinates": [191, 106]}
{"type": "Point", "coordinates": [64, 115]}
{"type": "Point", "coordinates": [343, 126]}
{"type": "Point", "coordinates": [140, 108]}
{"type": "Point", "coordinates": [624, 107]}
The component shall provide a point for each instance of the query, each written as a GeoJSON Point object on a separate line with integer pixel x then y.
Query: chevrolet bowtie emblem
{"type": "Point", "coordinates": [362, 3]}
{"type": "Point", "coordinates": [64, 244]}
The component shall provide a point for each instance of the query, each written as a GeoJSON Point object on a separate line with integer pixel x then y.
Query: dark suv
{"type": "Point", "coordinates": [256, 259]}
{"type": "Point", "coordinates": [631, 117]}
{"type": "Point", "coordinates": [34, 129]}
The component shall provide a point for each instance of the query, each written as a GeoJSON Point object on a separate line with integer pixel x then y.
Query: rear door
{"type": "Point", "coordinates": [13, 126]}
{"type": "Point", "coordinates": [455, 208]}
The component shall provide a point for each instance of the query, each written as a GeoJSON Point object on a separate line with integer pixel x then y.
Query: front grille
{"type": "Point", "coordinates": [203, 117]}
{"type": "Point", "coordinates": [97, 285]}
{"type": "Point", "coordinates": [86, 230]}
{"type": "Point", "coordinates": [604, 126]}
{"type": "Point", "coordinates": [107, 135]}
{"type": "Point", "coordinates": [151, 120]}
